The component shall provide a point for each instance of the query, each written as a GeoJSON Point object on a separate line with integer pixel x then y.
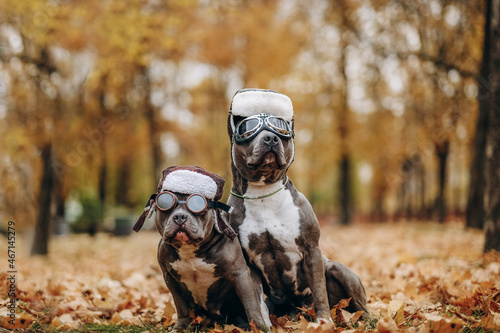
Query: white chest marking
{"type": "Point", "coordinates": [195, 273]}
{"type": "Point", "coordinates": [276, 214]}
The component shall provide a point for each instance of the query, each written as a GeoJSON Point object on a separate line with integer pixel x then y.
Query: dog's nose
{"type": "Point", "coordinates": [180, 218]}
{"type": "Point", "coordinates": [271, 139]}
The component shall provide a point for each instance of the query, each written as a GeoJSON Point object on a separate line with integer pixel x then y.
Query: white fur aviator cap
{"type": "Point", "coordinates": [250, 102]}
{"type": "Point", "coordinates": [189, 182]}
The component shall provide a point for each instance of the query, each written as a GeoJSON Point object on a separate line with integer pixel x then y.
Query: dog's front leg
{"type": "Point", "coordinates": [314, 267]}
{"type": "Point", "coordinates": [250, 293]}
{"type": "Point", "coordinates": [183, 320]}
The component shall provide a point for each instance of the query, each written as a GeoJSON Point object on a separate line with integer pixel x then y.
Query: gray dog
{"type": "Point", "coordinates": [277, 227]}
{"type": "Point", "coordinates": [202, 261]}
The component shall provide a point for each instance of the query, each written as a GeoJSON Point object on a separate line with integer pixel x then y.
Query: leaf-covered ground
{"type": "Point", "coordinates": [419, 277]}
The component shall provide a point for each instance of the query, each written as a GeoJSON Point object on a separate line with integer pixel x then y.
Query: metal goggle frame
{"type": "Point", "coordinates": [195, 203]}
{"type": "Point", "coordinates": [249, 127]}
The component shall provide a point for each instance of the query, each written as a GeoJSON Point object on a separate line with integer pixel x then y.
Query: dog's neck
{"type": "Point", "coordinates": [243, 187]}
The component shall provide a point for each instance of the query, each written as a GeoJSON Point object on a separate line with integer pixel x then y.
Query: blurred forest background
{"type": "Point", "coordinates": [97, 97]}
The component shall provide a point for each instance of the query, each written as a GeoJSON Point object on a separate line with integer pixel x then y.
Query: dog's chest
{"type": "Point", "coordinates": [276, 216]}
{"type": "Point", "coordinates": [195, 273]}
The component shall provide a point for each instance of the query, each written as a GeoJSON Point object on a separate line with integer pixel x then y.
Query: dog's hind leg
{"type": "Point", "coordinates": [342, 283]}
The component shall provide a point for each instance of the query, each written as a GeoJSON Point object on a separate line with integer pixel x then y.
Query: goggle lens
{"type": "Point", "coordinates": [248, 125]}
{"type": "Point", "coordinates": [279, 124]}
{"type": "Point", "coordinates": [166, 201]}
{"type": "Point", "coordinates": [196, 203]}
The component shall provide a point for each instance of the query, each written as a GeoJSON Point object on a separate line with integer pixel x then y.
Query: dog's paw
{"type": "Point", "coordinates": [324, 320]}
{"type": "Point", "coordinates": [179, 327]}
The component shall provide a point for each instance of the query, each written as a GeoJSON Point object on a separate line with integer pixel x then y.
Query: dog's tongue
{"type": "Point", "coordinates": [181, 236]}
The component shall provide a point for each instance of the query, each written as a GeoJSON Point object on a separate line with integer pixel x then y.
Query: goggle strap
{"type": "Point", "coordinates": [140, 222]}
{"type": "Point", "coordinates": [223, 227]}
{"type": "Point", "coordinates": [220, 205]}
{"type": "Point", "coordinates": [220, 224]}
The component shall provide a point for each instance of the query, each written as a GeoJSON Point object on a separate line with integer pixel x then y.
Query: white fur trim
{"type": "Point", "coordinates": [189, 182]}
{"type": "Point", "coordinates": [252, 102]}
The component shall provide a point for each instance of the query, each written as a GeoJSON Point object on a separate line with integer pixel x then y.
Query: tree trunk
{"type": "Point", "coordinates": [345, 159]}
{"type": "Point", "coordinates": [102, 179]}
{"type": "Point", "coordinates": [43, 223]}
{"type": "Point", "coordinates": [124, 183]}
{"type": "Point", "coordinates": [492, 191]}
{"type": "Point", "coordinates": [423, 205]}
{"type": "Point", "coordinates": [154, 137]}
{"type": "Point", "coordinates": [474, 213]}
{"type": "Point", "coordinates": [442, 151]}
{"type": "Point", "coordinates": [345, 189]}
{"type": "Point", "coordinates": [60, 226]}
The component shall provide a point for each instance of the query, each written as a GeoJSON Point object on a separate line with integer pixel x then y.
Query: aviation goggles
{"type": "Point", "coordinates": [195, 203]}
{"type": "Point", "coordinates": [249, 127]}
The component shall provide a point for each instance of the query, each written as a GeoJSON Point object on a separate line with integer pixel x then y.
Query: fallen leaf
{"type": "Point", "coordinates": [65, 322]}
{"type": "Point", "coordinates": [489, 322]}
{"type": "Point", "coordinates": [22, 320]}
{"type": "Point", "coordinates": [216, 329]}
{"type": "Point", "coordinates": [396, 311]}
{"type": "Point", "coordinates": [386, 326]}
{"type": "Point", "coordinates": [351, 318]}
{"type": "Point", "coordinates": [312, 327]}
{"type": "Point", "coordinates": [233, 329]}
{"type": "Point", "coordinates": [439, 324]}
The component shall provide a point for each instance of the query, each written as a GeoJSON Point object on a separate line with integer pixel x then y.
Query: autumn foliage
{"type": "Point", "coordinates": [418, 277]}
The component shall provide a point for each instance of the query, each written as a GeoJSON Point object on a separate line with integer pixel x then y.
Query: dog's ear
{"type": "Point", "coordinates": [145, 214]}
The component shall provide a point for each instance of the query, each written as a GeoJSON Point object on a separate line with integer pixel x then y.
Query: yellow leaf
{"type": "Point", "coordinates": [169, 310]}
{"type": "Point", "coordinates": [115, 319]}
{"type": "Point", "coordinates": [396, 311]}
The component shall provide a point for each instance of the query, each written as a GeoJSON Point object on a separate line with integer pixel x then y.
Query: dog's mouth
{"type": "Point", "coordinates": [271, 160]}
{"type": "Point", "coordinates": [181, 236]}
